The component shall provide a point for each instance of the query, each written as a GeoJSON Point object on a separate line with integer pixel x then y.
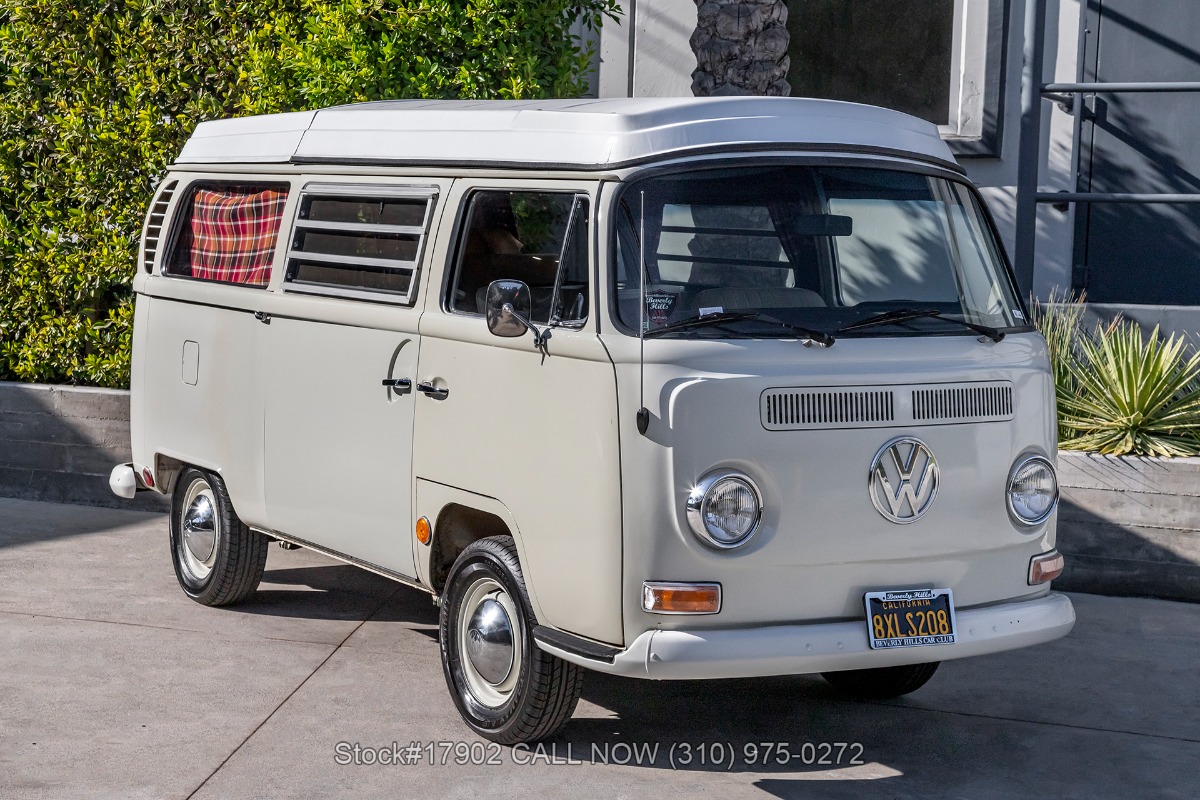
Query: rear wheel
{"type": "Point", "coordinates": [506, 688]}
{"type": "Point", "coordinates": [218, 560]}
{"type": "Point", "coordinates": [881, 683]}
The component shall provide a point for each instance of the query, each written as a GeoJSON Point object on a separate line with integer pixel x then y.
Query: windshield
{"type": "Point", "coordinates": [817, 246]}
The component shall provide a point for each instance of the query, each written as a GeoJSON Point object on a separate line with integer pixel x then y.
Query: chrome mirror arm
{"type": "Point", "coordinates": [540, 336]}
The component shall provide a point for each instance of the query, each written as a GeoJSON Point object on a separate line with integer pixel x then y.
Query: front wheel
{"type": "Point", "coordinates": [881, 683]}
{"type": "Point", "coordinates": [218, 560]}
{"type": "Point", "coordinates": [506, 688]}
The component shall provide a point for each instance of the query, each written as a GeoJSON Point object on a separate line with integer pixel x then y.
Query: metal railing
{"type": "Point", "coordinates": [1033, 92]}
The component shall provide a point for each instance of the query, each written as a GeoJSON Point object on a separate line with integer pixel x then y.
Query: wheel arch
{"type": "Point", "coordinates": [455, 528]}
{"type": "Point", "coordinates": [167, 470]}
{"type": "Point", "coordinates": [168, 465]}
{"type": "Point", "coordinates": [458, 518]}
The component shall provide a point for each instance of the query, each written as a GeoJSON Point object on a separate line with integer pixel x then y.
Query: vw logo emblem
{"type": "Point", "coordinates": [903, 480]}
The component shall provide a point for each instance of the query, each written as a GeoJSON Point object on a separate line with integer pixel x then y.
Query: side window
{"type": "Point", "coordinates": [226, 232]}
{"type": "Point", "coordinates": [536, 237]}
{"type": "Point", "coordinates": [351, 242]}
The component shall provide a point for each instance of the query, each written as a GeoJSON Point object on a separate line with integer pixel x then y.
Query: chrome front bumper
{"type": "Point", "coordinates": [798, 649]}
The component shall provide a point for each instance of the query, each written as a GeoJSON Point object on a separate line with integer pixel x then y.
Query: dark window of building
{"type": "Point", "coordinates": [881, 52]}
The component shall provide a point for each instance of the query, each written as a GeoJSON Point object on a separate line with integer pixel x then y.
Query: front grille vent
{"type": "Point", "coordinates": [973, 402]}
{"type": "Point", "coordinates": [831, 407]}
{"type": "Point", "coordinates": [798, 409]}
{"type": "Point", "coordinates": [154, 224]}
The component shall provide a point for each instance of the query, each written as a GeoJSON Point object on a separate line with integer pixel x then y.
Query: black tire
{"type": "Point", "coordinates": [536, 696]}
{"type": "Point", "coordinates": [228, 573]}
{"type": "Point", "coordinates": [881, 683]}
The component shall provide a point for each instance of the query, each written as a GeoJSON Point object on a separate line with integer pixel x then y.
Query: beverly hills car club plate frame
{"type": "Point", "coordinates": [910, 618]}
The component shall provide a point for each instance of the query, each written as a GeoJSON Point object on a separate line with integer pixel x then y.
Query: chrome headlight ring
{"type": "Point", "coordinates": [1025, 465]}
{"type": "Point", "coordinates": [723, 496]}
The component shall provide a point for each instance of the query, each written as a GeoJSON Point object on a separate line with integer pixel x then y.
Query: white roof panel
{"type": "Point", "coordinates": [584, 133]}
{"type": "Point", "coordinates": [273, 137]}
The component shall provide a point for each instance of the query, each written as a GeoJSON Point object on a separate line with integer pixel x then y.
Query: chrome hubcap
{"type": "Point", "coordinates": [199, 528]}
{"type": "Point", "coordinates": [199, 531]}
{"type": "Point", "coordinates": [490, 641]}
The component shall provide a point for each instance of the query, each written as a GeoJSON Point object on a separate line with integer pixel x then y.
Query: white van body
{"type": "Point", "coordinates": [275, 389]}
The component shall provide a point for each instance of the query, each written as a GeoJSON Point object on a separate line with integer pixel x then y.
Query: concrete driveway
{"type": "Point", "coordinates": [113, 684]}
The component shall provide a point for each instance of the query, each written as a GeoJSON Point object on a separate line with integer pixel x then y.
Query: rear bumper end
{"type": "Point", "coordinates": [798, 649]}
{"type": "Point", "coordinates": [125, 481]}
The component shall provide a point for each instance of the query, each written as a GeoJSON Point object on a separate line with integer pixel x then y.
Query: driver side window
{"type": "Point", "coordinates": [539, 238]}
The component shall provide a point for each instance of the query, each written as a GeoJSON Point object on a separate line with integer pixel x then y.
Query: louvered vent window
{"type": "Point", "coordinates": [359, 242]}
{"type": "Point", "coordinates": [154, 224]}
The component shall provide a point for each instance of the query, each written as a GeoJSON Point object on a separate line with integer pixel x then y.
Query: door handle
{"type": "Point", "coordinates": [432, 391]}
{"type": "Point", "coordinates": [398, 385]}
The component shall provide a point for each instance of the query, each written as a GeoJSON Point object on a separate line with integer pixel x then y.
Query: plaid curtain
{"type": "Point", "coordinates": [233, 234]}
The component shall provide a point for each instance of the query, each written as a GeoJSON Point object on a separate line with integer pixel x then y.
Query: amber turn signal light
{"type": "Point", "coordinates": [424, 532]}
{"type": "Point", "coordinates": [659, 597]}
{"type": "Point", "coordinates": [1046, 567]}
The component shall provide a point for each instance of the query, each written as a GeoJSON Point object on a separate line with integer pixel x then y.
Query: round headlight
{"type": "Point", "coordinates": [1032, 490]}
{"type": "Point", "coordinates": [724, 509]}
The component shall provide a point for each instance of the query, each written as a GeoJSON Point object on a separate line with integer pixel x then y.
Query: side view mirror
{"type": "Point", "coordinates": [507, 308]}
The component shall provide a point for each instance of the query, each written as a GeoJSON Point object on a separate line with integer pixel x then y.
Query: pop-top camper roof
{"type": "Point", "coordinates": [569, 134]}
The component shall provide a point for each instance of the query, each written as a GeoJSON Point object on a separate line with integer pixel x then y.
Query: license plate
{"type": "Point", "coordinates": [911, 618]}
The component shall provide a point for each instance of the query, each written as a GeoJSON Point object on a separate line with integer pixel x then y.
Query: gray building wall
{"type": "Point", "coordinates": [997, 177]}
{"type": "Point", "coordinates": [59, 443]}
{"type": "Point", "coordinates": [648, 53]}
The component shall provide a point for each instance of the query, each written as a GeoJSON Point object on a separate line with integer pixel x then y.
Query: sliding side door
{"type": "Point", "coordinates": [341, 369]}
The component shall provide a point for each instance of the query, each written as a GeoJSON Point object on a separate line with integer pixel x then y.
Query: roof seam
{"type": "Point", "coordinates": [300, 141]}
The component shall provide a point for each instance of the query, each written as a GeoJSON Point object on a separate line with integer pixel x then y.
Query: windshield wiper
{"type": "Point", "coordinates": [704, 320]}
{"type": "Point", "coordinates": [905, 314]}
{"type": "Point", "coordinates": [887, 317]}
{"type": "Point", "coordinates": [994, 334]}
{"type": "Point", "coordinates": [699, 321]}
{"type": "Point", "coordinates": [820, 337]}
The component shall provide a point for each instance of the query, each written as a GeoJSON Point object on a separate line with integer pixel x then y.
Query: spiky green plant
{"type": "Point", "coordinates": [1060, 320]}
{"type": "Point", "coordinates": [1134, 394]}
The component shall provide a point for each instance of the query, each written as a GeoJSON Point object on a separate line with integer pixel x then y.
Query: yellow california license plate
{"type": "Point", "coordinates": [910, 618]}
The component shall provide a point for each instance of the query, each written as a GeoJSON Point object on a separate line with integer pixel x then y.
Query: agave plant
{"type": "Point", "coordinates": [1132, 394]}
{"type": "Point", "coordinates": [1060, 320]}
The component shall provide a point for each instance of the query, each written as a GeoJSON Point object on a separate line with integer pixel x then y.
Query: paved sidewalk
{"type": "Point", "coordinates": [114, 685]}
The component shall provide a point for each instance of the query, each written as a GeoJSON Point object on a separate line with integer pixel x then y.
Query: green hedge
{"type": "Point", "coordinates": [98, 97]}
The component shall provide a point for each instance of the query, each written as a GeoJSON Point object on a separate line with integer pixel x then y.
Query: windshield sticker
{"type": "Point", "coordinates": [1017, 313]}
{"type": "Point", "coordinates": [659, 307]}
{"type": "Point", "coordinates": [710, 310]}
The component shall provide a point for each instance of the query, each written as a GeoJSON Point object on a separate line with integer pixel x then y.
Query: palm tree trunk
{"type": "Point", "coordinates": [741, 48]}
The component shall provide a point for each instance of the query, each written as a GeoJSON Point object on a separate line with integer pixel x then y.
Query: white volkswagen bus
{"type": "Point", "coordinates": [665, 388]}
